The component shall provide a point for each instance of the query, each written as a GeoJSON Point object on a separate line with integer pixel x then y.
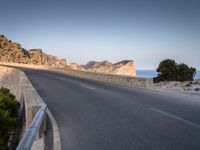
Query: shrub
{"type": "Point", "coordinates": [8, 116]}
{"type": "Point", "coordinates": [169, 70]}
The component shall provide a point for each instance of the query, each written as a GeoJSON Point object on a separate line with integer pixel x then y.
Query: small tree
{"type": "Point", "coordinates": [169, 70]}
{"type": "Point", "coordinates": [8, 116]}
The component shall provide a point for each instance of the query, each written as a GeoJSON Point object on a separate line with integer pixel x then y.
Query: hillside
{"type": "Point", "coordinates": [12, 52]}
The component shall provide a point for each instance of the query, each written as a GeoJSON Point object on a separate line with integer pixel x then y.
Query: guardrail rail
{"type": "Point", "coordinates": [33, 130]}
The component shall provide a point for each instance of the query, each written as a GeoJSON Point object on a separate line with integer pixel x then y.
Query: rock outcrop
{"type": "Point", "coordinates": [125, 67]}
{"type": "Point", "coordinates": [103, 66]}
{"type": "Point", "coordinates": [40, 58]}
{"type": "Point", "coordinates": [12, 52]}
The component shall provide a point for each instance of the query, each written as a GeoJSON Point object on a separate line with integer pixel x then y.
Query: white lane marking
{"type": "Point", "coordinates": [87, 87]}
{"type": "Point", "coordinates": [175, 117]}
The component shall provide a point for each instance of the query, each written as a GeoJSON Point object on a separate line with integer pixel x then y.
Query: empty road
{"type": "Point", "coordinates": [94, 115]}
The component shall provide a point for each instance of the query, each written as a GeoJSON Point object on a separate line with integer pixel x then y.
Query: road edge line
{"type": "Point", "coordinates": [56, 133]}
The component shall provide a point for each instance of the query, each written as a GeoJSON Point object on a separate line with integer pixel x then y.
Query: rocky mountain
{"type": "Point", "coordinates": [12, 52]}
{"type": "Point", "coordinates": [125, 67]}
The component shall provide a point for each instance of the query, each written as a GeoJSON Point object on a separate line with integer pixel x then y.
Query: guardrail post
{"type": "Point", "coordinates": [43, 128]}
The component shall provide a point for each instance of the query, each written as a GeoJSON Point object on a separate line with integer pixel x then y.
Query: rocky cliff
{"type": "Point", "coordinates": [12, 52]}
{"type": "Point", "coordinates": [125, 67]}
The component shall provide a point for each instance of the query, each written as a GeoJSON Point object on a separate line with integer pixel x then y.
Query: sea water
{"type": "Point", "coordinates": [153, 73]}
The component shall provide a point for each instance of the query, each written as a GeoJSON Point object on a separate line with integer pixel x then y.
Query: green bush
{"type": "Point", "coordinates": [169, 70]}
{"type": "Point", "coordinates": [8, 116]}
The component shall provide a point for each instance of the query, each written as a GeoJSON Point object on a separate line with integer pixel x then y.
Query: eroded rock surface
{"type": "Point", "coordinates": [12, 52]}
{"type": "Point", "coordinates": [125, 67]}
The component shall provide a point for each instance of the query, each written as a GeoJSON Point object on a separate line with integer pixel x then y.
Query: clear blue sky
{"type": "Point", "coordinates": [146, 31]}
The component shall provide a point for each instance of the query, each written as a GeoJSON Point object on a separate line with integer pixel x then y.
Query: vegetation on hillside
{"type": "Point", "coordinates": [169, 70]}
{"type": "Point", "coordinates": [8, 116]}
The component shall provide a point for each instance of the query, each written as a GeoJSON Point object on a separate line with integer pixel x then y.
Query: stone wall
{"type": "Point", "coordinates": [20, 86]}
{"type": "Point", "coordinates": [23, 65]}
{"type": "Point", "coordinates": [10, 78]}
{"type": "Point", "coordinates": [121, 79]}
{"type": "Point", "coordinates": [31, 98]}
{"type": "Point", "coordinates": [128, 80]}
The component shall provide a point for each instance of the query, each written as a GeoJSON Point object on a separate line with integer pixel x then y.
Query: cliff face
{"type": "Point", "coordinates": [12, 52]}
{"type": "Point", "coordinates": [125, 67]}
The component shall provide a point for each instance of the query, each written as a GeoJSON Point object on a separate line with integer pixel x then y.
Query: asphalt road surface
{"type": "Point", "coordinates": [95, 115]}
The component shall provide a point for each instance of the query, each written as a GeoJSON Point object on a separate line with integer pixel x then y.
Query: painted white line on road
{"type": "Point", "coordinates": [87, 87]}
{"type": "Point", "coordinates": [175, 117]}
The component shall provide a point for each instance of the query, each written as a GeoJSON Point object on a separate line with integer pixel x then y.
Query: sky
{"type": "Point", "coordinates": [146, 31]}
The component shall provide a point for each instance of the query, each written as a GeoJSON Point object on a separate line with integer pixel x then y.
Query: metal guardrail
{"type": "Point", "coordinates": [33, 130]}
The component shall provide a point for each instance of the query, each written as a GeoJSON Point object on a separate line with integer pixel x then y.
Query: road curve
{"type": "Point", "coordinates": [94, 115]}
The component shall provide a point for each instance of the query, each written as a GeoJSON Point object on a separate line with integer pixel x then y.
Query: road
{"type": "Point", "coordinates": [94, 115]}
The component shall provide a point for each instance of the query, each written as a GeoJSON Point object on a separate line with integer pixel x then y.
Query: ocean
{"type": "Point", "coordinates": [153, 73]}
